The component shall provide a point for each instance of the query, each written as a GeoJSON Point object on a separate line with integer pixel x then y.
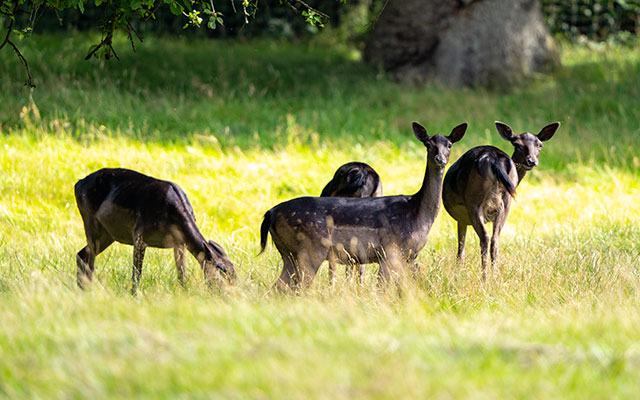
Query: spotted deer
{"type": "Point", "coordinates": [131, 208]}
{"type": "Point", "coordinates": [388, 230]}
{"type": "Point", "coordinates": [353, 179]}
{"type": "Point", "coordinates": [479, 186]}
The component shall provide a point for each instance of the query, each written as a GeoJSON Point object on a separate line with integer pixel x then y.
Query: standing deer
{"type": "Point", "coordinates": [388, 230]}
{"type": "Point", "coordinates": [131, 208]}
{"type": "Point", "coordinates": [353, 179]}
{"type": "Point", "coordinates": [479, 186]}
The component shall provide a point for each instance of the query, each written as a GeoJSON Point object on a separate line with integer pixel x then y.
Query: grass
{"type": "Point", "coordinates": [241, 126]}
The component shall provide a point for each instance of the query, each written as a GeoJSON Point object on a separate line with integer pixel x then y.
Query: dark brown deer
{"type": "Point", "coordinates": [131, 208]}
{"type": "Point", "coordinates": [388, 230]}
{"type": "Point", "coordinates": [353, 179]}
{"type": "Point", "coordinates": [479, 186]}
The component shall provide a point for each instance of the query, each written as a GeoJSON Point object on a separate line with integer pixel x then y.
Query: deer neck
{"type": "Point", "coordinates": [522, 171]}
{"type": "Point", "coordinates": [426, 202]}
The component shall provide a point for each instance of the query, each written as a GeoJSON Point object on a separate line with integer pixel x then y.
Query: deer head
{"type": "Point", "coordinates": [216, 258]}
{"type": "Point", "coordinates": [526, 146]}
{"type": "Point", "coordinates": [438, 146]}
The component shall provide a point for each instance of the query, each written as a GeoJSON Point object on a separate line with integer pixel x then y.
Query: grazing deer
{"type": "Point", "coordinates": [131, 208]}
{"type": "Point", "coordinates": [388, 230]}
{"type": "Point", "coordinates": [353, 179]}
{"type": "Point", "coordinates": [479, 186]}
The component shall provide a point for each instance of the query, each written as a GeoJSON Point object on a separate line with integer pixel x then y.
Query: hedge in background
{"type": "Point", "coordinates": [594, 19]}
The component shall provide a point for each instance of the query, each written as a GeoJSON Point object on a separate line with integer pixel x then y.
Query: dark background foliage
{"type": "Point", "coordinates": [594, 19]}
{"type": "Point", "coordinates": [272, 19]}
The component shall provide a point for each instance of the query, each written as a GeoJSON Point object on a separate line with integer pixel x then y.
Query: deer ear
{"type": "Point", "coordinates": [547, 132]}
{"type": "Point", "coordinates": [208, 251]}
{"type": "Point", "coordinates": [505, 131]}
{"type": "Point", "coordinates": [458, 132]}
{"type": "Point", "coordinates": [420, 132]}
{"type": "Point", "coordinates": [217, 248]}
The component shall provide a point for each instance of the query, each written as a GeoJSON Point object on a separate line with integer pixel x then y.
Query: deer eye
{"type": "Point", "coordinates": [449, 145]}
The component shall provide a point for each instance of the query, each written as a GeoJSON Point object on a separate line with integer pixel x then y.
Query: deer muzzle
{"type": "Point", "coordinates": [531, 162]}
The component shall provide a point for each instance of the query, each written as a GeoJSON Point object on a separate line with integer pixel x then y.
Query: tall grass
{"type": "Point", "coordinates": [242, 126]}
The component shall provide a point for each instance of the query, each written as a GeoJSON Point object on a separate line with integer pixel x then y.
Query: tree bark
{"type": "Point", "coordinates": [461, 42]}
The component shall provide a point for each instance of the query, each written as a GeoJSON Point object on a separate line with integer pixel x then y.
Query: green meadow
{"type": "Point", "coordinates": [244, 125]}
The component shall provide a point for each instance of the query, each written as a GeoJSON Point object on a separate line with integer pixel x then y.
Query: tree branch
{"type": "Point", "coordinates": [114, 51]}
{"type": "Point", "coordinates": [373, 23]}
{"type": "Point", "coordinates": [13, 21]}
{"type": "Point", "coordinates": [291, 6]}
{"type": "Point", "coordinates": [29, 81]}
{"type": "Point", "coordinates": [36, 12]}
{"type": "Point", "coordinates": [107, 40]}
{"type": "Point", "coordinates": [129, 30]}
{"type": "Point", "coordinates": [152, 13]}
{"type": "Point", "coordinates": [323, 15]}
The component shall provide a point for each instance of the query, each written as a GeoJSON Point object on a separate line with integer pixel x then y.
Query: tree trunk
{"type": "Point", "coordinates": [461, 42]}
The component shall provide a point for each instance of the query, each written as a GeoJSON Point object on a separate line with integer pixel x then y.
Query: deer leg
{"type": "Point", "coordinates": [462, 235]}
{"type": "Point", "coordinates": [478, 225]}
{"type": "Point", "coordinates": [309, 261]}
{"type": "Point", "coordinates": [497, 229]}
{"type": "Point", "coordinates": [139, 246]}
{"type": "Point", "coordinates": [178, 255]}
{"type": "Point", "coordinates": [288, 274]}
{"type": "Point", "coordinates": [351, 267]}
{"type": "Point", "coordinates": [392, 271]}
{"type": "Point", "coordinates": [332, 271]}
{"type": "Point", "coordinates": [383, 273]}
{"type": "Point", "coordinates": [331, 258]}
{"type": "Point", "coordinates": [360, 272]}
{"type": "Point", "coordinates": [85, 262]}
{"type": "Point", "coordinates": [348, 269]}
{"type": "Point", "coordinates": [86, 257]}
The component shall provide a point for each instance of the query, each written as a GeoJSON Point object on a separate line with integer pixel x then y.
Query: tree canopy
{"type": "Point", "coordinates": [19, 17]}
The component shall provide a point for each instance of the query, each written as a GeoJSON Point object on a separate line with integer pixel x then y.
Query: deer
{"type": "Point", "coordinates": [353, 179]}
{"type": "Point", "coordinates": [128, 207]}
{"type": "Point", "coordinates": [387, 230]}
{"type": "Point", "coordinates": [479, 186]}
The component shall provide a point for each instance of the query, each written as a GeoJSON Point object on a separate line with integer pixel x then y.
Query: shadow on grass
{"type": "Point", "coordinates": [266, 93]}
{"type": "Point", "coordinates": [171, 88]}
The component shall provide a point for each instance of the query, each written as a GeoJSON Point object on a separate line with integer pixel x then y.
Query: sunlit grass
{"type": "Point", "coordinates": [558, 317]}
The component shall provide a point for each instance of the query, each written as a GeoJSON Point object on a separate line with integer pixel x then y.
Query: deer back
{"type": "Point", "coordinates": [481, 179]}
{"type": "Point", "coordinates": [354, 179]}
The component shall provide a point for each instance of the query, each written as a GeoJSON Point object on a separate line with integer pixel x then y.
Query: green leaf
{"type": "Point", "coordinates": [5, 9]}
{"type": "Point", "coordinates": [81, 6]}
{"type": "Point", "coordinates": [176, 9]}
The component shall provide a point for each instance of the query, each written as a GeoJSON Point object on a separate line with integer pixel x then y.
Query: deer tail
{"type": "Point", "coordinates": [503, 177]}
{"type": "Point", "coordinates": [264, 231]}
